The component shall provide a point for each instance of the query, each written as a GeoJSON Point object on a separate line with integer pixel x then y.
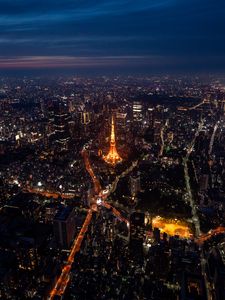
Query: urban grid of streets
{"type": "Point", "coordinates": [100, 199]}
{"type": "Point", "coordinates": [100, 195]}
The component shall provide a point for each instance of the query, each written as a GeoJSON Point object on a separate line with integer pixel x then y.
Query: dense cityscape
{"type": "Point", "coordinates": [112, 187]}
{"type": "Point", "coordinates": [112, 150]}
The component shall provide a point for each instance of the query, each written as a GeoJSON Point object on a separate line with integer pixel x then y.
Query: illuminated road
{"type": "Point", "coordinates": [97, 185]}
{"type": "Point", "coordinates": [162, 138]}
{"type": "Point", "coordinates": [198, 105]}
{"type": "Point", "coordinates": [48, 194]}
{"type": "Point", "coordinates": [115, 212]}
{"type": "Point", "coordinates": [213, 137]}
{"type": "Point", "coordinates": [123, 174]}
{"type": "Point", "coordinates": [210, 234]}
{"type": "Point", "coordinates": [195, 218]}
{"type": "Point", "coordinates": [171, 227]}
{"type": "Point", "coordinates": [63, 279]}
{"type": "Point", "coordinates": [98, 189]}
{"type": "Point", "coordinates": [162, 142]}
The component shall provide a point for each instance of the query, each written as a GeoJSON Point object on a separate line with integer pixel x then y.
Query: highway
{"type": "Point", "coordinates": [198, 105]}
{"type": "Point", "coordinates": [100, 199]}
{"type": "Point", "coordinates": [99, 195]}
{"type": "Point", "coordinates": [192, 204]}
{"type": "Point", "coordinates": [48, 194]}
{"type": "Point", "coordinates": [62, 281]}
{"type": "Point", "coordinates": [64, 277]}
{"type": "Point", "coordinates": [162, 142]}
{"type": "Point", "coordinates": [116, 213]}
{"type": "Point", "coordinates": [123, 174]}
{"type": "Point", "coordinates": [213, 137]}
{"type": "Point", "coordinates": [210, 234]}
{"type": "Point", "coordinates": [162, 139]}
{"type": "Point", "coordinates": [195, 218]}
{"type": "Point", "coordinates": [96, 183]}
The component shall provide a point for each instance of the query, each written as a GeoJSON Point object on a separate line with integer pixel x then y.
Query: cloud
{"type": "Point", "coordinates": [135, 64]}
{"type": "Point", "coordinates": [103, 28]}
{"type": "Point", "coordinates": [72, 61]}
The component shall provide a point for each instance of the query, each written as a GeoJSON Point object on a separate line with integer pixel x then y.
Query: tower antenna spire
{"type": "Point", "coordinates": [112, 157]}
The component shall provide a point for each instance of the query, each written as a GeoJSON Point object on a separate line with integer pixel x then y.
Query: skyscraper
{"type": "Point", "coordinates": [135, 185]}
{"type": "Point", "coordinates": [60, 124]}
{"type": "Point", "coordinates": [64, 227]}
{"type": "Point", "coordinates": [85, 117]}
{"type": "Point", "coordinates": [137, 223]}
{"type": "Point", "coordinates": [137, 111]}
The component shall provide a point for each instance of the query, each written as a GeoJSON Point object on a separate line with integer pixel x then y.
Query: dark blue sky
{"type": "Point", "coordinates": [123, 35]}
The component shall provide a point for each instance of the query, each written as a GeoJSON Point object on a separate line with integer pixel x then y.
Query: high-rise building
{"type": "Point", "coordinates": [71, 106]}
{"type": "Point", "coordinates": [122, 128]}
{"type": "Point", "coordinates": [203, 182]}
{"type": "Point", "coordinates": [137, 224]}
{"type": "Point", "coordinates": [223, 106]}
{"type": "Point", "coordinates": [64, 227]}
{"type": "Point", "coordinates": [85, 117]}
{"type": "Point", "coordinates": [135, 185]}
{"type": "Point", "coordinates": [137, 111]}
{"type": "Point", "coordinates": [61, 120]}
{"type": "Point", "coordinates": [156, 234]}
{"type": "Point", "coordinates": [170, 137]}
{"type": "Point", "coordinates": [157, 131]}
{"type": "Point", "coordinates": [121, 119]}
{"type": "Point", "coordinates": [216, 263]}
{"type": "Point", "coordinates": [43, 107]}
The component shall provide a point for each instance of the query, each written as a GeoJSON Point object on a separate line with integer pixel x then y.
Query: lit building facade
{"type": "Point", "coordinates": [137, 112]}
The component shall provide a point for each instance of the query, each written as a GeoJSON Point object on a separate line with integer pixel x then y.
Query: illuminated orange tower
{"type": "Point", "coordinates": [112, 157]}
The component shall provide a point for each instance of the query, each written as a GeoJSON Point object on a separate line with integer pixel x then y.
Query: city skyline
{"type": "Point", "coordinates": [95, 207]}
{"type": "Point", "coordinates": [112, 150]}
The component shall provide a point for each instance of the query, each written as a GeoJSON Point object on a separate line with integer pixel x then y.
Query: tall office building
{"type": "Point", "coordinates": [64, 227]}
{"type": "Point", "coordinates": [137, 225]}
{"type": "Point", "coordinates": [204, 182]}
{"type": "Point", "coordinates": [85, 117]}
{"type": "Point", "coordinates": [121, 119]}
{"type": "Point", "coordinates": [137, 111]}
{"type": "Point", "coordinates": [157, 130]}
{"type": "Point", "coordinates": [61, 128]}
{"type": "Point", "coordinates": [135, 185]}
{"type": "Point", "coordinates": [223, 107]}
{"type": "Point", "coordinates": [43, 107]}
{"type": "Point", "coordinates": [71, 106]}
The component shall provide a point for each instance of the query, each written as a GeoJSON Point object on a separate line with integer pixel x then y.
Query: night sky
{"type": "Point", "coordinates": [144, 36]}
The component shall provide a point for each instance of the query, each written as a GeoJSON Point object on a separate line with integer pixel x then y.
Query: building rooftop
{"type": "Point", "coordinates": [63, 214]}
